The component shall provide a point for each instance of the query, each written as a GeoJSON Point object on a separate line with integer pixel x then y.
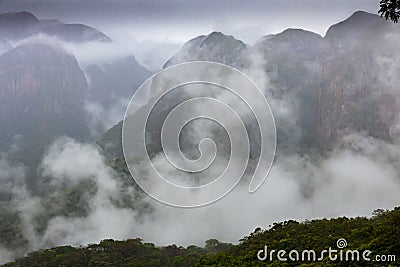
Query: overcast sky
{"type": "Point", "coordinates": [155, 29]}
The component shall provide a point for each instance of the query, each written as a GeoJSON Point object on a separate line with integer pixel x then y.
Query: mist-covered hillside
{"type": "Point", "coordinates": [320, 88]}
{"type": "Point", "coordinates": [64, 182]}
{"type": "Point", "coordinates": [378, 234]}
{"type": "Point", "coordinates": [20, 25]}
{"type": "Point", "coordinates": [51, 86]}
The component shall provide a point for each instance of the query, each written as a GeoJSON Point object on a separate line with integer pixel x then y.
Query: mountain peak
{"type": "Point", "coordinates": [362, 15]}
{"type": "Point", "coordinates": [352, 26]}
{"type": "Point", "coordinates": [288, 41]}
{"type": "Point", "coordinates": [289, 35]}
{"type": "Point", "coordinates": [215, 37]}
{"type": "Point", "coordinates": [297, 33]}
{"type": "Point", "coordinates": [17, 19]}
{"type": "Point", "coordinates": [216, 34]}
{"type": "Point", "coordinates": [215, 46]}
{"type": "Point", "coordinates": [25, 15]}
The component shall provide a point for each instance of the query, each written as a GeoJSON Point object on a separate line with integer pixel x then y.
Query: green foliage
{"type": "Point", "coordinates": [10, 233]}
{"type": "Point", "coordinates": [390, 9]}
{"type": "Point", "coordinates": [380, 234]}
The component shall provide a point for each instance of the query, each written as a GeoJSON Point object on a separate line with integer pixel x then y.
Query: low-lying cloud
{"type": "Point", "coordinates": [350, 182]}
{"type": "Point", "coordinates": [360, 175]}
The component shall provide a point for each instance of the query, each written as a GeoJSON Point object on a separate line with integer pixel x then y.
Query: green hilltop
{"type": "Point", "coordinates": [379, 234]}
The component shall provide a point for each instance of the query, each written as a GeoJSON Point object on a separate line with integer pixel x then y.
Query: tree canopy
{"type": "Point", "coordinates": [379, 234]}
{"type": "Point", "coordinates": [390, 9]}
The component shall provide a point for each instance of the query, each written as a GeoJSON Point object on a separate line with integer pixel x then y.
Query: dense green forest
{"type": "Point", "coordinates": [380, 234]}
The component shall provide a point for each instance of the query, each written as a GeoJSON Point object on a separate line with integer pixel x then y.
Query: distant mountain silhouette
{"type": "Point", "coordinates": [332, 84]}
{"type": "Point", "coordinates": [20, 25]}
{"type": "Point", "coordinates": [215, 46]}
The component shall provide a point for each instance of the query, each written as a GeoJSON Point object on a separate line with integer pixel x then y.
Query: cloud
{"type": "Point", "coordinates": [10, 173]}
{"type": "Point", "coordinates": [86, 53]}
{"type": "Point", "coordinates": [14, 186]}
{"type": "Point", "coordinates": [352, 181]}
{"type": "Point", "coordinates": [66, 159]}
{"type": "Point", "coordinates": [69, 160]}
{"type": "Point", "coordinates": [101, 119]}
{"type": "Point", "coordinates": [6, 255]}
{"type": "Point", "coordinates": [96, 52]}
{"type": "Point", "coordinates": [347, 183]}
{"type": "Point", "coordinates": [360, 176]}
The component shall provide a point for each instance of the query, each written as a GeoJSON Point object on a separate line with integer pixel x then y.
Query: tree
{"type": "Point", "coordinates": [390, 9]}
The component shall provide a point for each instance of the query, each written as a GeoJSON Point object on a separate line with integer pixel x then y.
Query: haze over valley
{"type": "Point", "coordinates": [64, 89]}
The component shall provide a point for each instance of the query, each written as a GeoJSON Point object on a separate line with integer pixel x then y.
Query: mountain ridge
{"type": "Point", "coordinates": [299, 65]}
{"type": "Point", "coordinates": [361, 233]}
{"type": "Point", "coordinates": [20, 25]}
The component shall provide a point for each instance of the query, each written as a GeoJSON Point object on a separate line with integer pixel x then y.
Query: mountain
{"type": "Point", "coordinates": [109, 84]}
{"type": "Point", "coordinates": [290, 64]}
{"type": "Point", "coordinates": [4, 46]}
{"type": "Point", "coordinates": [215, 46]}
{"type": "Point", "coordinates": [16, 25]}
{"type": "Point", "coordinates": [19, 25]}
{"type": "Point", "coordinates": [344, 35]}
{"type": "Point", "coordinates": [337, 85]}
{"type": "Point", "coordinates": [321, 89]}
{"type": "Point", "coordinates": [70, 32]}
{"type": "Point", "coordinates": [357, 84]}
{"type": "Point", "coordinates": [115, 79]}
{"type": "Point", "coordinates": [111, 142]}
{"type": "Point", "coordinates": [112, 83]}
{"type": "Point", "coordinates": [290, 54]}
{"type": "Point", "coordinates": [42, 89]}
{"type": "Point", "coordinates": [328, 83]}
{"type": "Point", "coordinates": [292, 41]}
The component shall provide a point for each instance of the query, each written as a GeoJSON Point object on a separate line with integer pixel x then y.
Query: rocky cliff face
{"type": "Point", "coordinates": [41, 94]}
{"type": "Point", "coordinates": [43, 88]}
{"type": "Point", "coordinates": [353, 95]}
{"type": "Point", "coordinates": [345, 34]}
{"type": "Point", "coordinates": [342, 83]}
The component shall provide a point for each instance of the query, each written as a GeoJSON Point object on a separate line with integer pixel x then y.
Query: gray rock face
{"type": "Point", "coordinates": [345, 34]}
{"type": "Point", "coordinates": [42, 90]}
{"type": "Point", "coordinates": [333, 85]}
{"type": "Point", "coordinates": [40, 83]}
{"type": "Point", "coordinates": [354, 95]}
